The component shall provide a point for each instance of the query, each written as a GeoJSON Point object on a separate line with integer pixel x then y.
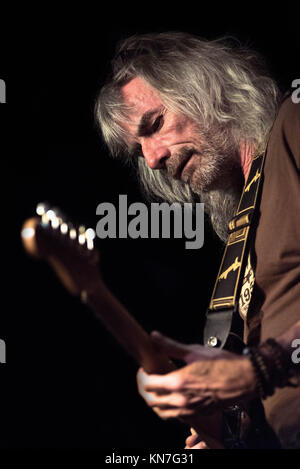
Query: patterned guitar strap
{"type": "Point", "coordinates": [223, 322]}
{"type": "Point", "coordinates": [229, 302]}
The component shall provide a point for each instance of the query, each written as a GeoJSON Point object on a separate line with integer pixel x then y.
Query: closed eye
{"type": "Point", "coordinates": [157, 124]}
{"type": "Point", "coordinates": [147, 127]}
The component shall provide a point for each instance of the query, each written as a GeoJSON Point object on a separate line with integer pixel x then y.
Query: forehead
{"type": "Point", "coordinates": [141, 96]}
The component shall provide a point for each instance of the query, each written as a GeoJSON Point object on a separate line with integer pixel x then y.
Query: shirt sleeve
{"type": "Point", "coordinates": [277, 257]}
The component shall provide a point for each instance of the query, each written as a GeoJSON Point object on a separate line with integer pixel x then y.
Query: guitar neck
{"type": "Point", "coordinates": [127, 331]}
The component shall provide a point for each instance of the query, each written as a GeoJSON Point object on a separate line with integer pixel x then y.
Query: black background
{"type": "Point", "coordinates": [66, 383]}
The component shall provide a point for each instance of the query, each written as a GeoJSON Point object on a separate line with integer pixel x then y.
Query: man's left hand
{"type": "Point", "coordinates": [212, 379]}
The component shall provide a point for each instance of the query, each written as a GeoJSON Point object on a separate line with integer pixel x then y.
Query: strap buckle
{"type": "Point", "coordinates": [241, 220]}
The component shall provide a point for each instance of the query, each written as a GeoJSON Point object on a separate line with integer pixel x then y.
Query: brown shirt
{"type": "Point", "coordinates": [275, 304]}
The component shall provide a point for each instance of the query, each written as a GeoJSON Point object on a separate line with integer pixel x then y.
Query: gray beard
{"type": "Point", "coordinates": [221, 206]}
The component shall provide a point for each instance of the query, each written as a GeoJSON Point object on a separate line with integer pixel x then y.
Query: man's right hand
{"type": "Point", "coordinates": [194, 441]}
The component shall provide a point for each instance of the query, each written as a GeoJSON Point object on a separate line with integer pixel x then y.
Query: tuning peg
{"type": "Point", "coordinates": [28, 232]}
{"type": "Point", "coordinates": [53, 217]}
{"type": "Point", "coordinates": [90, 236]}
{"type": "Point", "coordinates": [64, 228]}
{"type": "Point", "coordinates": [81, 235]}
{"type": "Point", "coordinates": [55, 222]}
{"type": "Point", "coordinates": [42, 208]}
{"type": "Point", "coordinates": [45, 220]}
{"type": "Point", "coordinates": [50, 214]}
{"type": "Point", "coordinates": [90, 233]}
{"type": "Point", "coordinates": [72, 232]}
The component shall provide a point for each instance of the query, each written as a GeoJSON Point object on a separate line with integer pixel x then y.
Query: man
{"type": "Point", "coordinates": [193, 115]}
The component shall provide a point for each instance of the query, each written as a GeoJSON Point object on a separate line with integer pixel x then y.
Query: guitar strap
{"type": "Point", "coordinates": [222, 318]}
{"type": "Point", "coordinates": [224, 324]}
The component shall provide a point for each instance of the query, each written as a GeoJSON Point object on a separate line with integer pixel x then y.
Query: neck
{"type": "Point", "coordinates": [246, 154]}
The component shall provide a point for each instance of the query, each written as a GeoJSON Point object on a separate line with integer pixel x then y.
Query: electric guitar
{"type": "Point", "coordinates": [71, 253]}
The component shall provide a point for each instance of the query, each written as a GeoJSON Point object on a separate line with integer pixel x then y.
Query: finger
{"type": "Point", "coordinates": [192, 440]}
{"type": "Point", "coordinates": [162, 383]}
{"type": "Point", "coordinates": [149, 397]}
{"type": "Point", "coordinates": [172, 413]}
{"type": "Point", "coordinates": [141, 376]}
{"type": "Point", "coordinates": [175, 399]}
{"type": "Point", "coordinates": [200, 445]}
{"type": "Point", "coordinates": [178, 380]}
{"type": "Point", "coordinates": [171, 347]}
{"type": "Point", "coordinates": [147, 383]}
{"type": "Point", "coordinates": [144, 381]}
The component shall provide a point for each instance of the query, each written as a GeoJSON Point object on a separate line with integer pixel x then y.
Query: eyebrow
{"type": "Point", "coordinates": [144, 127]}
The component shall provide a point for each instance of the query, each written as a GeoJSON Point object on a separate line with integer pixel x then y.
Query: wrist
{"type": "Point", "coordinates": [248, 370]}
{"type": "Point", "coordinates": [261, 376]}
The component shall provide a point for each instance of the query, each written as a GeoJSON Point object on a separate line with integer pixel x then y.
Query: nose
{"type": "Point", "coordinates": [154, 153]}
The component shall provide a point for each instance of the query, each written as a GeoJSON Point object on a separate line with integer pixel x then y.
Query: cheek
{"type": "Point", "coordinates": [186, 129]}
{"type": "Point", "coordinates": [181, 129]}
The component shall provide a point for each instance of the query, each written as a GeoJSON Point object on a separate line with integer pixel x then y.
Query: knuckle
{"type": "Point", "coordinates": [178, 382]}
{"type": "Point", "coordinates": [182, 400]}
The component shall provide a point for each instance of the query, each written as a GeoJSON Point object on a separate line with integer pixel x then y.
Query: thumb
{"type": "Point", "coordinates": [170, 347]}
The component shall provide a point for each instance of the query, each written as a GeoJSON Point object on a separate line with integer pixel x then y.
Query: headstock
{"type": "Point", "coordinates": [68, 249]}
{"type": "Point", "coordinates": [70, 252]}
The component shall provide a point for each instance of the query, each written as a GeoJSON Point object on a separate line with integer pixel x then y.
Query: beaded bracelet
{"type": "Point", "coordinates": [272, 366]}
{"type": "Point", "coordinates": [281, 362]}
{"type": "Point", "coordinates": [262, 375]}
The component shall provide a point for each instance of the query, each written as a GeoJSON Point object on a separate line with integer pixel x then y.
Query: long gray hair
{"type": "Point", "coordinates": [219, 84]}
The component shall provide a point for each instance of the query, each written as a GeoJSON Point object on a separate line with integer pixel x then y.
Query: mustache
{"type": "Point", "coordinates": [175, 164]}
